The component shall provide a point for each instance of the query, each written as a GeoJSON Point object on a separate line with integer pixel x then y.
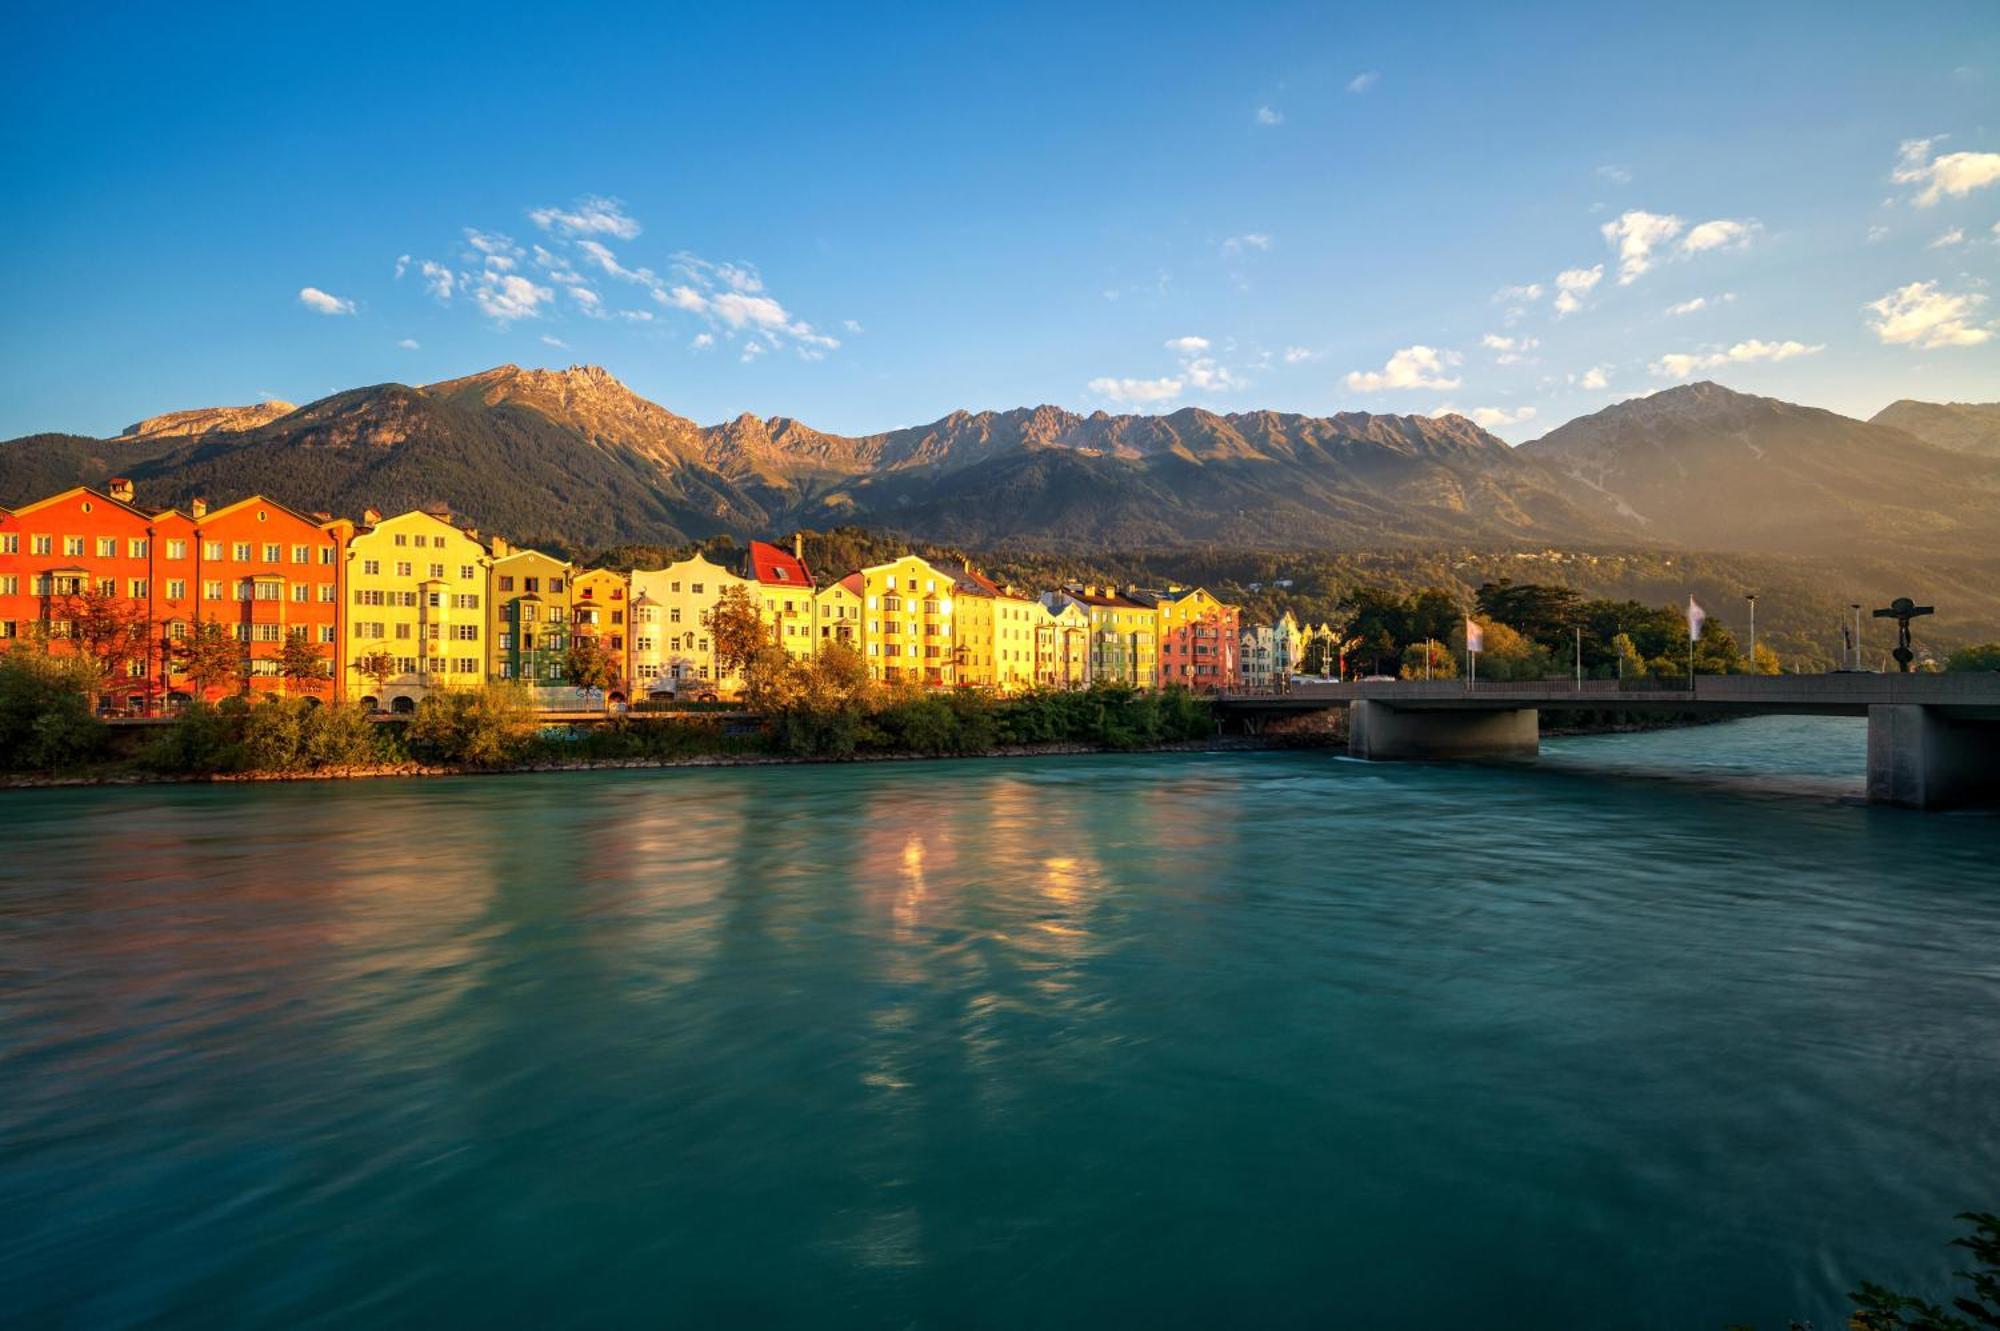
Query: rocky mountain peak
{"type": "Point", "coordinates": [207, 420]}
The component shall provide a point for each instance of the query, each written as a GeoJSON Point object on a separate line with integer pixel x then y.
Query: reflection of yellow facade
{"type": "Point", "coordinates": [671, 605]}
{"type": "Point", "coordinates": [598, 609]}
{"type": "Point", "coordinates": [1062, 646]}
{"type": "Point", "coordinates": [416, 586]}
{"type": "Point", "coordinates": [838, 612]}
{"type": "Point", "coordinates": [906, 618]}
{"type": "Point", "coordinates": [528, 612]}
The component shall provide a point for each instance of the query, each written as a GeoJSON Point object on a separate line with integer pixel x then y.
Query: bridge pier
{"type": "Point", "coordinates": [1921, 758]}
{"type": "Point", "coordinates": [1382, 733]}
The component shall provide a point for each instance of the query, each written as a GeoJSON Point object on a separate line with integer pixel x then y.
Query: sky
{"type": "Point", "coordinates": [870, 217]}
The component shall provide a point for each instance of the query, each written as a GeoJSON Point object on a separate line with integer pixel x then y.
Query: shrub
{"type": "Point", "coordinates": [45, 718]}
{"type": "Point", "coordinates": [204, 739]}
{"type": "Point", "coordinates": [488, 726]}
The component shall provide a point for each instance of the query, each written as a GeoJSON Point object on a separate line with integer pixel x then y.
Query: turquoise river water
{"type": "Point", "coordinates": [1160, 1040]}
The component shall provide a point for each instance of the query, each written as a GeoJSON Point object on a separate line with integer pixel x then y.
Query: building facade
{"type": "Point", "coordinates": [907, 623]}
{"type": "Point", "coordinates": [673, 651]}
{"type": "Point", "coordinates": [1271, 653]}
{"type": "Point", "coordinates": [837, 612]}
{"type": "Point", "coordinates": [1124, 635]}
{"type": "Point", "coordinates": [1198, 638]}
{"type": "Point", "coordinates": [785, 597]}
{"type": "Point", "coordinates": [528, 615]}
{"type": "Point", "coordinates": [1062, 646]}
{"type": "Point", "coordinates": [416, 590]}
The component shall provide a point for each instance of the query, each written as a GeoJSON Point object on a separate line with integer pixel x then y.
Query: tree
{"type": "Point", "coordinates": [1443, 664]}
{"type": "Point", "coordinates": [737, 630]}
{"type": "Point", "coordinates": [301, 662]}
{"type": "Point", "coordinates": [377, 665]}
{"type": "Point", "coordinates": [1506, 654]}
{"type": "Point", "coordinates": [483, 727]}
{"type": "Point", "coordinates": [209, 656]}
{"type": "Point", "coordinates": [1985, 656]}
{"type": "Point", "coordinates": [1629, 664]}
{"type": "Point", "coordinates": [589, 664]}
{"type": "Point", "coordinates": [45, 716]}
{"type": "Point", "coordinates": [108, 630]}
{"type": "Point", "coordinates": [1544, 614]}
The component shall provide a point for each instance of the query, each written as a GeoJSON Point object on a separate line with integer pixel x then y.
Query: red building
{"type": "Point", "coordinates": [257, 567]}
{"type": "Point", "coordinates": [1200, 639]}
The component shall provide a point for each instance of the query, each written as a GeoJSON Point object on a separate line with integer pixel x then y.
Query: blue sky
{"type": "Point", "coordinates": [868, 218]}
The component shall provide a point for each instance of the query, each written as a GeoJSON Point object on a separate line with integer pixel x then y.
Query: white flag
{"type": "Point", "coordinates": [1475, 637]}
{"type": "Point", "coordinates": [1696, 618]}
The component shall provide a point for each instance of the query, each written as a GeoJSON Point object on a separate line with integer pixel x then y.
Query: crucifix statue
{"type": "Point", "coordinates": [1903, 610]}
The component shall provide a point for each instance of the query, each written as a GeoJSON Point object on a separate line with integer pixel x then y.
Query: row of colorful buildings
{"type": "Point", "coordinates": [401, 605]}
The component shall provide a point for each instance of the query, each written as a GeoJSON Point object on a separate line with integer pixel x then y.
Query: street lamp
{"type": "Point", "coordinates": [1855, 606]}
{"type": "Point", "coordinates": [1751, 597]}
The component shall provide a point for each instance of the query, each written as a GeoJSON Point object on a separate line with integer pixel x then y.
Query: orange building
{"type": "Point", "coordinates": [1199, 637]}
{"type": "Point", "coordinates": [258, 567]}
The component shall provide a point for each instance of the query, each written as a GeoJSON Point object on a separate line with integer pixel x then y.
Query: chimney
{"type": "Point", "coordinates": [500, 547]}
{"type": "Point", "coordinates": [472, 533]}
{"type": "Point", "coordinates": [319, 516]}
{"type": "Point", "coordinates": [198, 507]}
{"type": "Point", "coordinates": [121, 489]}
{"type": "Point", "coordinates": [371, 516]}
{"type": "Point", "coordinates": [798, 545]}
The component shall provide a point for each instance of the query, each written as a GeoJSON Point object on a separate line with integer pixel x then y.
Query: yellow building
{"type": "Point", "coordinates": [598, 609]}
{"type": "Point", "coordinates": [785, 599]}
{"type": "Point", "coordinates": [906, 619]}
{"type": "Point", "coordinates": [837, 611]}
{"type": "Point", "coordinates": [415, 590]}
{"type": "Point", "coordinates": [528, 614]}
{"type": "Point", "coordinates": [996, 632]}
{"type": "Point", "coordinates": [1124, 635]}
{"type": "Point", "coordinates": [671, 647]}
{"type": "Point", "coordinates": [1062, 645]}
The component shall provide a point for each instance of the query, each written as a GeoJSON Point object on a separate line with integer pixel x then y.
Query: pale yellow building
{"type": "Point", "coordinates": [996, 632]}
{"type": "Point", "coordinates": [785, 599]}
{"type": "Point", "coordinates": [672, 650]}
{"type": "Point", "coordinates": [837, 612]}
{"type": "Point", "coordinates": [907, 624]}
{"type": "Point", "coordinates": [416, 591]}
{"type": "Point", "coordinates": [1124, 635]}
{"type": "Point", "coordinates": [1062, 645]}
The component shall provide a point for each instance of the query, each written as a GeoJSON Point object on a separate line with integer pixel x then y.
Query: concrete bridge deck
{"type": "Point", "coordinates": [1933, 740]}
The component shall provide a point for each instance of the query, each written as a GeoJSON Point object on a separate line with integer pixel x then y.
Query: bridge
{"type": "Point", "coordinates": [1933, 740]}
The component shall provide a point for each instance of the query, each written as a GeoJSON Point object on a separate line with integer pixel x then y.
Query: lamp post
{"type": "Point", "coordinates": [1856, 608]}
{"type": "Point", "coordinates": [1751, 597]}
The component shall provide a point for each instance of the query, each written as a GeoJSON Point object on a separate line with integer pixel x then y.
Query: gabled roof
{"type": "Point", "coordinates": [92, 492]}
{"type": "Point", "coordinates": [777, 567]}
{"type": "Point", "coordinates": [852, 582]}
{"type": "Point", "coordinates": [969, 583]}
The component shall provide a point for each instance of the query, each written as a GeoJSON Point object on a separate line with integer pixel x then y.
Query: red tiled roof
{"type": "Point", "coordinates": [853, 582]}
{"type": "Point", "coordinates": [777, 567]}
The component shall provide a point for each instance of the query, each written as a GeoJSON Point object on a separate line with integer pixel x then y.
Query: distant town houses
{"type": "Point", "coordinates": [256, 597]}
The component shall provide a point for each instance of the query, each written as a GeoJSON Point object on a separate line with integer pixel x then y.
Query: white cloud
{"type": "Point", "coordinates": [321, 302]}
{"type": "Point", "coordinates": [402, 266]}
{"type": "Point", "coordinates": [703, 341]}
{"type": "Point", "coordinates": [439, 280]}
{"type": "Point", "coordinates": [1251, 240]}
{"type": "Point", "coordinates": [593, 215]}
{"type": "Point", "coordinates": [1299, 355]}
{"type": "Point", "coordinates": [1270, 115]}
{"type": "Point", "coordinates": [636, 316]}
{"type": "Point", "coordinates": [491, 243]}
{"type": "Point", "coordinates": [1187, 344]}
{"type": "Point", "coordinates": [1681, 364]}
{"type": "Point", "coordinates": [1634, 235]}
{"type": "Point", "coordinates": [505, 297]}
{"type": "Point", "coordinates": [1205, 372]}
{"type": "Point", "coordinates": [851, 325]}
{"type": "Point", "coordinates": [1513, 350]}
{"type": "Point", "coordinates": [554, 342]}
{"type": "Point", "coordinates": [1722, 233]}
{"type": "Point", "coordinates": [1955, 174]}
{"type": "Point", "coordinates": [1411, 367]}
{"type": "Point", "coordinates": [1615, 174]}
{"type": "Point", "coordinates": [751, 351]}
{"type": "Point", "coordinates": [1573, 284]}
{"type": "Point", "coordinates": [1136, 390]}
{"type": "Point", "coordinates": [409, 344]}
{"type": "Point", "coordinates": [1876, 233]}
{"type": "Point", "coordinates": [1688, 306]}
{"type": "Point", "coordinates": [1363, 82]}
{"type": "Point", "coordinates": [587, 301]}
{"type": "Point", "coordinates": [1524, 294]}
{"type": "Point", "coordinates": [1596, 377]}
{"type": "Point", "coordinates": [1921, 315]}
{"type": "Point", "coordinates": [1946, 239]}
{"type": "Point", "coordinates": [1494, 418]}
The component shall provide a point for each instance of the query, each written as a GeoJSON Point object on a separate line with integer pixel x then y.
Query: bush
{"type": "Point", "coordinates": [45, 718]}
{"type": "Point", "coordinates": [204, 739]}
{"type": "Point", "coordinates": [489, 726]}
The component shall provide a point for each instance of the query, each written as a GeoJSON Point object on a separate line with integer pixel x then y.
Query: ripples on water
{"type": "Point", "coordinates": [1158, 1040]}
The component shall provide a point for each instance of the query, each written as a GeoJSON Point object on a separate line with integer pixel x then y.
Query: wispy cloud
{"type": "Point", "coordinates": [1722, 233]}
{"type": "Point", "coordinates": [1362, 82]}
{"type": "Point", "coordinates": [1249, 240]}
{"type": "Point", "coordinates": [1573, 284]}
{"type": "Point", "coordinates": [593, 215]}
{"type": "Point", "coordinates": [1136, 390]}
{"type": "Point", "coordinates": [1953, 174]}
{"type": "Point", "coordinates": [1298, 355]}
{"type": "Point", "coordinates": [409, 344]}
{"type": "Point", "coordinates": [1270, 115]}
{"type": "Point", "coordinates": [1512, 350]}
{"type": "Point", "coordinates": [548, 341]}
{"type": "Point", "coordinates": [1527, 294]}
{"type": "Point", "coordinates": [1410, 367]}
{"type": "Point", "coordinates": [1614, 174]}
{"type": "Point", "coordinates": [323, 302]}
{"type": "Point", "coordinates": [505, 297]}
{"type": "Point", "coordinates": [1698, 304]}
{"type": "Point", "coordinates": [1946, 239]}
{"type": "Point", "coordinates": [1923, 315]}
{"type": "Point", "coordinates": [1187, 344]}
{"type": "Point", "coordinates": [1681, 364]}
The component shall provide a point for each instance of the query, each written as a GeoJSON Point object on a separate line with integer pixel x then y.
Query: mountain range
{"type": "Point", "coordinates": [574, 459]}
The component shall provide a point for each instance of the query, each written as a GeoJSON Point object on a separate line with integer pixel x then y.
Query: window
{"type": "Point", "coordinates": [107, 547]}
{"type": "Point", "coordinates": [326, 633]}
{"type": "Point", "coordinates": [437, 571]}
{"type": "Point", "coordinates": [138, 546]}
{"type": "Point", "coordinates": [241, 551]}
{"type": "Point", "coordinates": [326, 554]}
{"type": "Point", "coordinates": [73, 546]}
{"type": "Point", "coordinates": [696, 589]}
{"type": "Point", "coordinates": [618, 616]}
{"type": "Point", "coordinates": [466, 572]}
{"type": "Point", "coordinates": [403, 632]}
{"type": "Point", "coordinates": [10, 584]}
{"type": "Point", "coordinates": [266, 632]}
{"type": "Point", "coordinates": [465, 601]}
{"type": "Point", "coordinates": [465, 632]}
{"type": "Point", "coordinates": [10, 543]}
{"type": "Point", "coordinates": [141, 588]}
{"type": "Point", "coordinates": [269, 589]}
{"type": "Point", "coordinates": [506, 582]}
{"type": "Point", "coordinates": [43, 545]}
{"type": "Point", "coordinates": [364, 596]}
{"type": "Point", "coordinates": [555, 586]}
{"type": "Point", "coordinates": [504, 641]}
{"type": "Point", "coordinates": [403, 568]}
{"type": "Point", "coordinates": [301, 592]}
{"type": "Point", "coordinates": [434, 600]}
{"type": "Point", "coordinates": [531, 584]}
{"type": "Point", "coordinates": [371, 567]}
{"type": "Point", "coordinates": [642, 644]}
{"type": "Point", "coordinates": [301, 554]}
{"type": "Point", "coordinates": [674, 615]}
{"type": "Point", "coordinates": [177, 549]}
{"type": "Point", "coordinates": [327, 594]}
{"type": "Point", "coordinates": [273, 552]}
{"type": "Point", "coordinates": [402, 538]}
{"type": "Point", "coordinates": [211, 591]}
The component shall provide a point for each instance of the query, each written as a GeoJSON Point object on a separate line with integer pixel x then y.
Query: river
{"type": "Point", "coordinates": [1267, 1039]}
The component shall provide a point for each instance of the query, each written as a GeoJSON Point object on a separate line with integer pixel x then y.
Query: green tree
{"type": "Point", "coordinates": [1507, 654]}
{"type": "Point", "coordinates": [45, 713]}
{"type": "Point", "coordinates": [210, 657]}
{"type": "Point", "coordinates": [1543, 614]}
{"type": "Point", "coordinates": [736, 628]}
{"type": "Point", "coordinates": [377, 666]}
{"type": "Point", "coordinates": [1442, 664]}
{"type": "Point", "coordinates": [1626, 660]}
{"type": "Point", "coordinates": [589, 664]}
{"type": "Point", "coordinates": [488, 726]}
{"type": "Point", "coordinates": [301, 663]}
{"type": "Point", "coordinates": [1985, 656]}
{"type": "Point", "coordinates": [108, 630]}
